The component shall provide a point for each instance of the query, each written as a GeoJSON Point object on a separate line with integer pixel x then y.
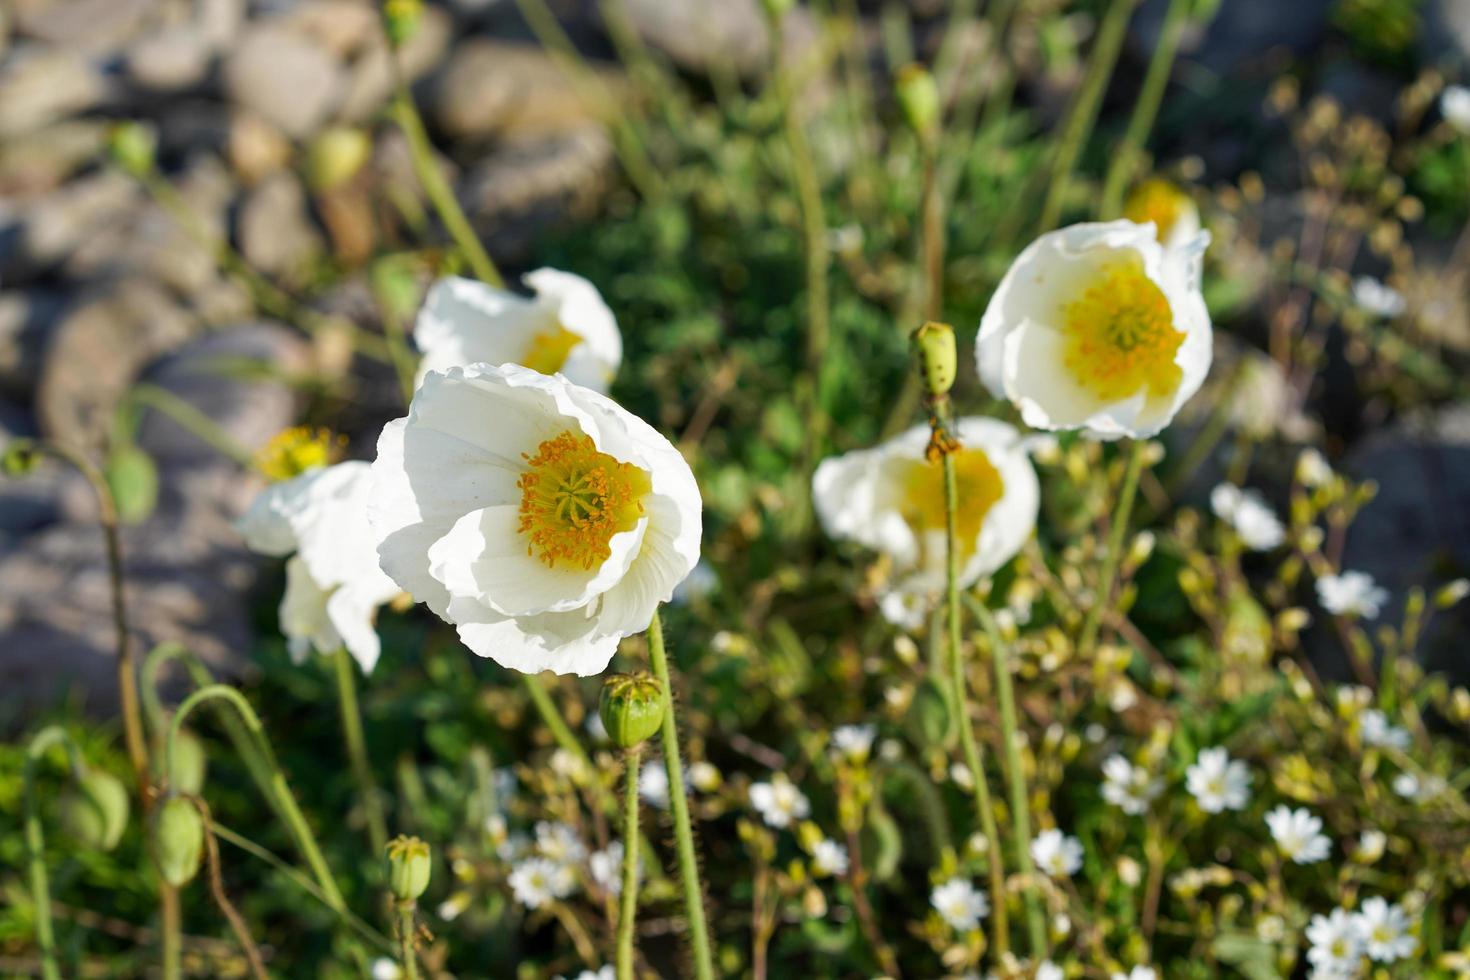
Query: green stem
{"type": "Point", "coordinates": [362, 771]}
{"type": "Point", "coordinates": [441, 196]}
{"type": "Point", "coordinates": [278, 789]}
{"type": "Point", "coordinates": [43, 741]}
{"type": "Point", "coordinates": [1020, 801]}
{"type": "Point", "coordinates": [171, 950]}
{"type": "Point", "coordinates": [406, 928]}
{"type": "Point", "coordinates": [1083, 114]}
{"type": "Point", "coordinates": [1146, 109]}
{"type": "Point", "coordinates": [197, 424]}
{"type": "Point", "coordinates": [628, 913]}
{"type": "Point", "coordinates": [679, 809]}
{"type": "Point", "coordinates": [1121, 514]}
{"type": "Point", "coordinates": [973, 759]}
{"type": "Point", "coordinates": [565, 739]}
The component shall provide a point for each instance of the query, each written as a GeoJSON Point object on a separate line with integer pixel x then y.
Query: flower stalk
{"type": "Point", "coordinates": [44, 741]}
{"type": "Point", "coordinates": [628, 908]}
{"type": "Point", "coordinates": [1113, 553]}
{"type": "Point", "coordinates": [362, 770]}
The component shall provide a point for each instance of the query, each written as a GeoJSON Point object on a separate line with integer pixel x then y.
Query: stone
{"type": "Point", "coordinates": [95, 353]}
{"type": "Point", "coordinates": [1444, 30]}
{"type": "Point", "coordinates": [1241, 33]}
{"type": "Point", "coordinates": [219, 20]}
{"type": "Point", "coordinates": [276, 232]}
{"type": "Point", "coordinates": [51, 227]}
{"type": "Point", "coordinates": [370, 79]}
{"type": "Point", "coordinates": [699, 34]}
{"type": "Point", "coordinates": [93, 27]}
{"type": "Point", "coordinates": [41, 160]}
{"type": "Point", "coordinates": [256, 148]}
{"type": "Point", "coordinates": [171, 59]}
{"type": "Point", "coordinates": [283, 76]}
{"type": "Point", "coordinates": [339, 26]}
{"type": "Point", "coordinates": [492, 88]}
{"type": "Point", "coordinates": [39, 86]}
{"type": "Point", "coordinates": [26, 321]}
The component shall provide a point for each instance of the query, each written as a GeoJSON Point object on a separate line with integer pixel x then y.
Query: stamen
{"type": "Point", "coordinates": [1120, 335]}
{"type": "Point", "coordinates": [574, 499]}
{"type": "Point", "coordinates": [979, 485]}
{"type": "Point", "coordinates": [548, 351]}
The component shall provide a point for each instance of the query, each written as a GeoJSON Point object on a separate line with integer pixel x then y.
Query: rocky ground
{"type": "Point", "coordinates": [103, 288]}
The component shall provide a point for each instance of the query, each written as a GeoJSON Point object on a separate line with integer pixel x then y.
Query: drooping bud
{"type": "Point", "coordinates": [133, 147]}
{"type": "Point", "coordinates": [930, 721]}
{"type": "Point", "coordinates": [189, 762]}
{"type": "Point", "coordinates": [918, 97]}
{"type": "Point", "coordinates": [178, 840]}
{"type": "Point", "coordinates": [335, 157]}
{"type": "Point", "coordinates": [408, 867]}
{"type": "Point", "coordinates": [401, 19]}
{"type": "Point", "coordinates": [935, 345]}
{"type": "Point", "coordinates": [95, 810]}
{"type": "Point", "coordinates": [133, 479]}
{"type": "Point", "coordinates": [632, 708]}
{"type": "Point", "coordinates": [882, 843]}
{"type": "Point", "coordinates": [20, 458]}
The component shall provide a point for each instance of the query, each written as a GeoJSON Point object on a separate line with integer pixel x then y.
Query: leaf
{"type": "Point", "coordinates": [1252, 956]}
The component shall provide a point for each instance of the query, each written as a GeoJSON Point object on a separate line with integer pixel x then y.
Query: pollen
{"type": "Point", "coordinates": [979, 487]}
{"type": "Point", "coordinates": [575, 498]}
{"type": "Point", "coordinates": [548, 350]}
{"type": "Point", "coordinates": [1119, 335]}
{"type": "Point", "coordinates": [293, 451]}
{"type": "Point", "coordinates": [1158, 201]}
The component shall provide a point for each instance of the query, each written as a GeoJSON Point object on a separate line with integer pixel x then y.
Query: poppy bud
{"type": "Point", "coordinates": [935, 345]}
{"type": "Point", "coordinates": [401, 19]}
{"type": "Point", "coordinates": [335, 157]}
{"type": "Point", "coordinates": [190, 763]}
{"type": "Point", "coordinates": [95, 811]}
{"type": "Point", "coordinates": [408, 867]}
{"type": "Point", "coordinates": [918, 97]}
{"type": "Point", "coordinates": [132, 147]}
{"type": "Point", "coordinates": [632, 708]}
{"type": "Point", "coordinates": [178, 840]}
{"type": "Point", "coordinates": [20, 458]}
{"type": "Point", "coordinates": [133, 480]}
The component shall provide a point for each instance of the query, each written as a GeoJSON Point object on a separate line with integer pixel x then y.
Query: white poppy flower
{"type": "Point", "coordinates": [1377, 298]}
{"type": "Point", "coordinates": [1218, 782]}
{"type": "Point", "coordinates": [540, 518]}
{"type": "Point", "coordinates": [1298, 835]}
{"type": "Point", "coordinates": [1351, 594]}
{"type": "Point", "coordinates": [1057, 854]}
{"type": "Point", "coordinates": [779, 802]}
{"type": "Point", "coordinates": [333, 584]}
{"type": "Point", "coordinates": [606, 868]}
{"type": "Point", "coordinates": [1098, 327]}
{"type": "Point", "coordinates": [1454, 103]}
{"type": "Point", "coordinates": [565, 328]}
{"type": "Point", "coordinates": [891, 499]}
{"type": "Point", "coordinates": [1247, 511]}
{"type": "Point", "coordinates": [1168, 208]}
{"type": "Point", "coordinates": [1385, 931]}
{"type": "Point", "coordinates": [960, 904]}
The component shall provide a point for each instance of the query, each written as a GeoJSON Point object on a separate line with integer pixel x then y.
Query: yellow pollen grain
{"type": "Point", "coordinates": [1119, 335]}
{"type": "Point", "coordinates": [293, 451]}
{"type": "Point", "coordinates": [979, 487]}
{"type": "Point", "coordinates": [575, 498]}
{"type": "Point", "coordinates": [1158, 201]}
{"type": "Point", "coordinates": [548, 350]}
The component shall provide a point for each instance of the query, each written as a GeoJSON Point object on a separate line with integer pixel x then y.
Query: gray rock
{"type": "Point", "coordinates": [283, 76]}
{"type": "Point", "coordinates": [276, 232]}
{"type": "Point", "coordinates": [51, 228]}
{"type": "Point", "coordinates": [26, 320]}
{"type": "Point", "coordinates": [341, 27]}
{"type": "Point", "coordinates": [170, 60]}
{"type": "Point", "coordinates": [219, 20]}
{"type": "Point", "coordinates": [1240, 34]}
{"type": "Point", "coordinates": [39, 161]}
{"type": "Point", "coordinates": [699, 34]}
{"type": "Point", "coordinates": [492, 88]}
{"type": "Point", "coordinates": [1445, 30]}
{"type": "Point", "coordinates": [39, 86]}
{"type": "Point", "coordinates": [370, 80]}
{"type": "Point", "coordinates": [90, 26]}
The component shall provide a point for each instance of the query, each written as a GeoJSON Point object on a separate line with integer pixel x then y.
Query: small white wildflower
{"type": "Point", "coordinates": [704, 777]}
{"type": "Point", "coordinates": [1048, 970]}
{"type": "Point", "coordinates": [606, 867]}
{"type": "Point", "coordinates": [1057, 854]}
{"type": "Point", "coordinates": [1377, 298]}
{"type": "Point", "coordinates": [559, 842]}
{"type": "Point", "coordinates": [1406, 784]}
{"type": "Point", "coordinates": [538, 880]}
{"type": "Point", "coordinates": [1351, 594]}
{"type": "Point", "coordinates": [1336, 944]}
{"type": "Point", "coordinates": [386, 969]}
{"type": "Point", "coordinates": [779, 801]}
{"type": "Point", "coordinates": [1128, 787]}
{"type": "Point", "coordinates": [1454, 103]}
{"type": "Point", "coordinates": [1385, 930]}
{"type": "Point", "coordinates": [854, 742]}
{"type": "Point", "coordinates": [1312, 469]}
{"type": "Point", "coordinates": [960, 773]}
{"type": "Point", "coordinates": [960, 904]}
{"type": "Point", "coordinates": [1378, 731]}
{"type": "Point", "coordinates": [653, 786]}
{"type": "Point", "coordinates": [1218, 782]}
{"type": "Point", "coordinates": [453, 906]}
{"type": "Point", "coordinates": [829, 858]}
{"type": "Point", "coordinates": [513, 847]}
{"type": "Point", "coordinates": [1371, 845]}
{"type": "Point", "coordinates": [1298, 835]}
{"type": "Point", "coordinates": [1249, 514]}
{"type": "Point", "coordinates": [1137, 973]}
{"type": "Point", "coordinates": [567, 765]}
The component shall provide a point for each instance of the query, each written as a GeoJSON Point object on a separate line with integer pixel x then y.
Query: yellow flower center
{"type": "Point", "coordinates": [1119, 335]}
{"type": "Point", "coordinates": [1158, 201]}
{"type": "Point", "coordinates": [548, 350]}
{"type": "Point", "coordinates": [979, 488]}
{"type": "Point", "coordinates": [574, 499]}
{"type": "Point", "coordinates": [293, 451]}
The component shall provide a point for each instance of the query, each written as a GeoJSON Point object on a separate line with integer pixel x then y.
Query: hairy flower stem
{"type": "Point", "coordinates": [1000, 926]}
{"type": "Point", "coordinates": [1145, 110]}
{"type": "Point", "coordinates": [1116, 532]}
{"type": "Point", "coordinates": [44, 740]}
{"type": "Point", "coordinates": [278, 788]}
{"type": "Point", "coordinates": [407, 958]}
{"type": "Point", "coordinates": [628, 911]}
{"type": "Point", "coordinates": [362, 770]}
{"type": "Point", "coordinates": [679, 809]}
{"type": "Point", "coordinates": [1083, 113]}
{"type": "Point", "coordinates": [1020, 802]}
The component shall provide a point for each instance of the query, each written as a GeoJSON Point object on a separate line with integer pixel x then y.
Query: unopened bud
{"type": "Point", "coordinates": [632, 708]}
{"type": "Point", "coordinates": [930, 721]}
{"type": "Point", "coordinates": [178, 840]}
{"type": "Point", "coordinates": [776, 9]}
{"type": "Point", "coordinates": [95, 810]}
{"type": "Point", "coordinates": [938, 361]}
{"type": "Point", "coordinates": [19, 458]}
{"type": "Point", "coordinates": [401, 19]}
{"type": "Point", "coordinates": [918, 97]}
{"type": "Point", "coordinates": [1451, 593]}
{"type": "Point", "coordinates": [335, 157]}
{"type": "Point", "coordinates": [133, 147]}
{"type": "Point", "coordinates": [133, 479]}
{"type": "Point", "coordinates": [189, 764]}
{"type": "Point", "coordinates": [408, 867]}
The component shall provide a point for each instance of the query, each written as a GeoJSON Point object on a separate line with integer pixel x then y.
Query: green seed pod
{"type": "Point", "coordinates": [882, 843]}
{"type": "Point", "coordinates": [930, 721]}
{"type": "Point", "coordinates": [132, 147]}
{"type": "Point", "coordinates": [95, 810]}
{"type": "Point", "coordinates": [178, 840]}
{"type": "Point", "coordinates": [408, 867]}
{"type": "Point", "coordinates": [133, 480]}
{"type": "Point", "coordinates": [336, 156]}
{"type": "Point", "coordinates": [918, 97]}
{"type": "Point", "coordinates": [938, 361]}
{"type": "Point", "coordinates": [20, 458]}
{"type": "Point", "coordinates": [632, 708]}
{"type": "Point", "coordinates": [190, 764]}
